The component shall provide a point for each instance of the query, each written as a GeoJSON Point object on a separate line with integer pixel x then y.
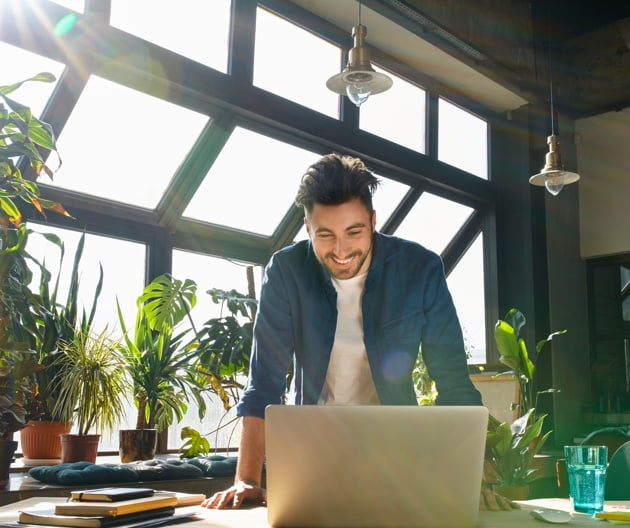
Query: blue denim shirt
{"type": "Point", "coordinates": [406, 303]}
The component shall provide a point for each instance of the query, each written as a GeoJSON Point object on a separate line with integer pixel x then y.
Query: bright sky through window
{"type": "Point", "coordinates": [131, 164]}
{"type": "Point", "coordinates": [198, 29]}
{"type": "Point", "coordinates": [294, 63]}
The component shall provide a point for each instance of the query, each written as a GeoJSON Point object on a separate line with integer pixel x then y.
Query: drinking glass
{"type": "Point", "coordinates": [586, 466]}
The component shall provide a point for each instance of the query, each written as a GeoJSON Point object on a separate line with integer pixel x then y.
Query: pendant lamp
{"type": "Point", "coordinates": [553, 176]}
{"type": "Point", "coordinates": [358, 80]}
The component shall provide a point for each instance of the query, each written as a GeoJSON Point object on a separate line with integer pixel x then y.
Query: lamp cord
{"type": "Point", "coordinates": [359, 12]}
{"type": "Point", "coordinates": [553, 132]}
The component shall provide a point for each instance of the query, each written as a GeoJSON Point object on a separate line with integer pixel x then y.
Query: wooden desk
{"type": "Point", "coordinates": [257, 517]}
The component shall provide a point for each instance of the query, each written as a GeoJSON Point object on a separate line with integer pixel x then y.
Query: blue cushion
{"type": "Point", "coordinates": [139, 471]}
{"type": "Point", "coordinates": [170, 469]}
{"type": "Point", "coordinates": [215, 465]}
{"type": "Point", "coordinates": [83, 473]}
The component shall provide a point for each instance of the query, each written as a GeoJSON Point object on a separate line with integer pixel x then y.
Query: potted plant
{"type": "Point", "coordinates": [56, 322]}
{"type": "Point", "coordinates": [162, 364]}
{"type": "Point", "coordinates": [16, 369]}
{"type": "Point", "coordinates": [23, 138]}
{"type": "Point", "coordinates": [511, 448]}
{"type": "Point", "coordinates": [224, 345]}
{"type": "Point", "coordinates": [92, 386]}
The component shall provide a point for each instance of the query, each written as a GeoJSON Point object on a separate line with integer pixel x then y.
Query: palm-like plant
{"type": "Point", "coordinates": [161, 363]}
{"type": "Point", "coordinates": [59, 321]}
{"type": "Point", "coordinates": [91, 384]}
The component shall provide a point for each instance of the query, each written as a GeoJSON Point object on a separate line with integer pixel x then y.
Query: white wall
{"type": "Point", "coordinates": [603, 150]}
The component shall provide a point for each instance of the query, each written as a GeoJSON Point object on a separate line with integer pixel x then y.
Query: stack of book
{"type": "Point", "coordinates": [120, 507]}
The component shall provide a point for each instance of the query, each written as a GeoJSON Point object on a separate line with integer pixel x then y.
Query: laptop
{"type": "Point", "coordinates": [374, 466]}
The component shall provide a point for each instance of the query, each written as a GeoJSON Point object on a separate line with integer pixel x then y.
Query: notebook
{"type": "Point", "coordinates": [374, 466]}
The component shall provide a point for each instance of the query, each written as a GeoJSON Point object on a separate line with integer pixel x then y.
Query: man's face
{"type": "Point", "coordinates": [342, 237]}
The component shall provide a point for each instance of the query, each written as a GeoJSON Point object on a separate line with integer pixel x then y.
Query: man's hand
{"type": "Point", "coordinates": [494, 502]}
{"type": "Point", "coordinates": [234, 496]}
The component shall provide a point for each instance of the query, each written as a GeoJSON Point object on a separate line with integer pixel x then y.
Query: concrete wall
{"type": "Point", "coordinates": [603, 151]}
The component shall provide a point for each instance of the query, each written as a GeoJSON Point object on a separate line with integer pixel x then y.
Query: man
{"type": "Point", "coordinates": [351, 307]}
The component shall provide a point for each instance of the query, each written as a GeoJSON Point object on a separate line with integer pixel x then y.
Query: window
{"type": "Point", "coordinates": [433, 222]}
{"type": "Point", "coordinates": [252, 183]}
{"type": "Point", "coordinates": [196, 29]}
{"type": "Point", "coordinates": [294, 63]}
{"type": "Point", "coordinates": [123, 149]}
{"type": "Point", "coordinates": [24, 65]}
{"type": "Point", "coordinates": [467, 287]}
{"type": "Point", "coordinates": [123, 145]}
{"type": "Point", "coordinates": [397, 114]}
{"type": "Point", "coordinates": [123, 264]}
{"type": "Point", "coordinates": [462, 139]}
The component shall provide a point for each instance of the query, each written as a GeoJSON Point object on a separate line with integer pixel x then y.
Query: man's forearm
{"type": "Point", "coordinates": [252, 451]}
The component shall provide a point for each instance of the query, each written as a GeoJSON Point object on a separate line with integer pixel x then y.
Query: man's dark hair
{"type": "Point", "coordinates": [336, 179]}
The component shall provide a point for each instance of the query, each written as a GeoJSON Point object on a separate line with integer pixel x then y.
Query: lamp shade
{"type": "Point", "coordinates": [553, 176]}
{"type": "Point", "coordinates": [358, 80]}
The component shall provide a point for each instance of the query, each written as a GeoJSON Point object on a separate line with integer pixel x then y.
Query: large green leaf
{"type": "Point", "coordinates": [507, 343]}
{"type": "Point", "coordinates": [40, 77]}
{"type": "Point", "coordinates": [167, 301]}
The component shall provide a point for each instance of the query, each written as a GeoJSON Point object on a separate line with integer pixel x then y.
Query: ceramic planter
{"type": "Point", "coordinates": [137, 444]}
{"type": "Point", "coordinates": [79, 448]}
{"type": "Point", "coordinates": [40, 441]}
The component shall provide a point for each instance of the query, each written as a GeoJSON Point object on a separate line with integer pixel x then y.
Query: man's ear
{"type": "Point", "coordinates": [308, 227]}
{"type": "Point", "coordinates": [373, 221]}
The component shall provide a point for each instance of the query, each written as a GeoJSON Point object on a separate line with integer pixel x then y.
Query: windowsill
{"type": "Point", "coordinates": [22, 486]}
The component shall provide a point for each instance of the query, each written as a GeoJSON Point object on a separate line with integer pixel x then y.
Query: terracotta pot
{"type": "Point", "coordinates": [40, 440]}
{"type": "Point", "coordinates": [7, 448]}
{"type": "Point", "coordinates": [79, 448]}
{"type": "Point", "coordinates": [137, 444]}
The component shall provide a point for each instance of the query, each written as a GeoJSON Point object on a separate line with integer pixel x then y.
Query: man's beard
{"type": "Point", "coordinates": [346, 272]}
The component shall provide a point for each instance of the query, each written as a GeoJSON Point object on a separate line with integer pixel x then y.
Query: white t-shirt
{"type": "Point", "coordinates": [349, 378]}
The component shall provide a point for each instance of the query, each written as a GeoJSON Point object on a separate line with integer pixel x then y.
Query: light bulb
{"type": "Point", "coordinates": [554, 184]}
{"type": "Point", "coordinates": [358, 93]}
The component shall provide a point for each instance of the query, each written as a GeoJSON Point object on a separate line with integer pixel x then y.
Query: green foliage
{"type": "Point", "coordinates": [426, 392]}
{"type": "Point", "coordinates": [91, 383]}
{"type": "Point", "coordinates": [194, 443]}
{"type": "Point", "coordinates": [163, 366]}
{"type": "Point", "coordinates": [59, 321]}
{"type": "Point", "coordinates": [16, 370]}
{"type": "Point", "coordinates": [511, 448]}
{"type": "Point", "coordinates": [224, 348]}
{"type": "Point", "coordinates": [23, 138]}
{"type": "Point", "coordinates": [514, 354]}
{"type": "Point", "coordinates": [225, 344]}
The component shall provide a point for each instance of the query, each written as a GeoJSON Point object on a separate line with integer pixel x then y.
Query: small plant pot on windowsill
{"type": "Point", "coordinates": [40, 441]}
{"type": "Point", "coordinates": [79, 448]}
{"type": "Point", "coordinates": [137, 444]}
